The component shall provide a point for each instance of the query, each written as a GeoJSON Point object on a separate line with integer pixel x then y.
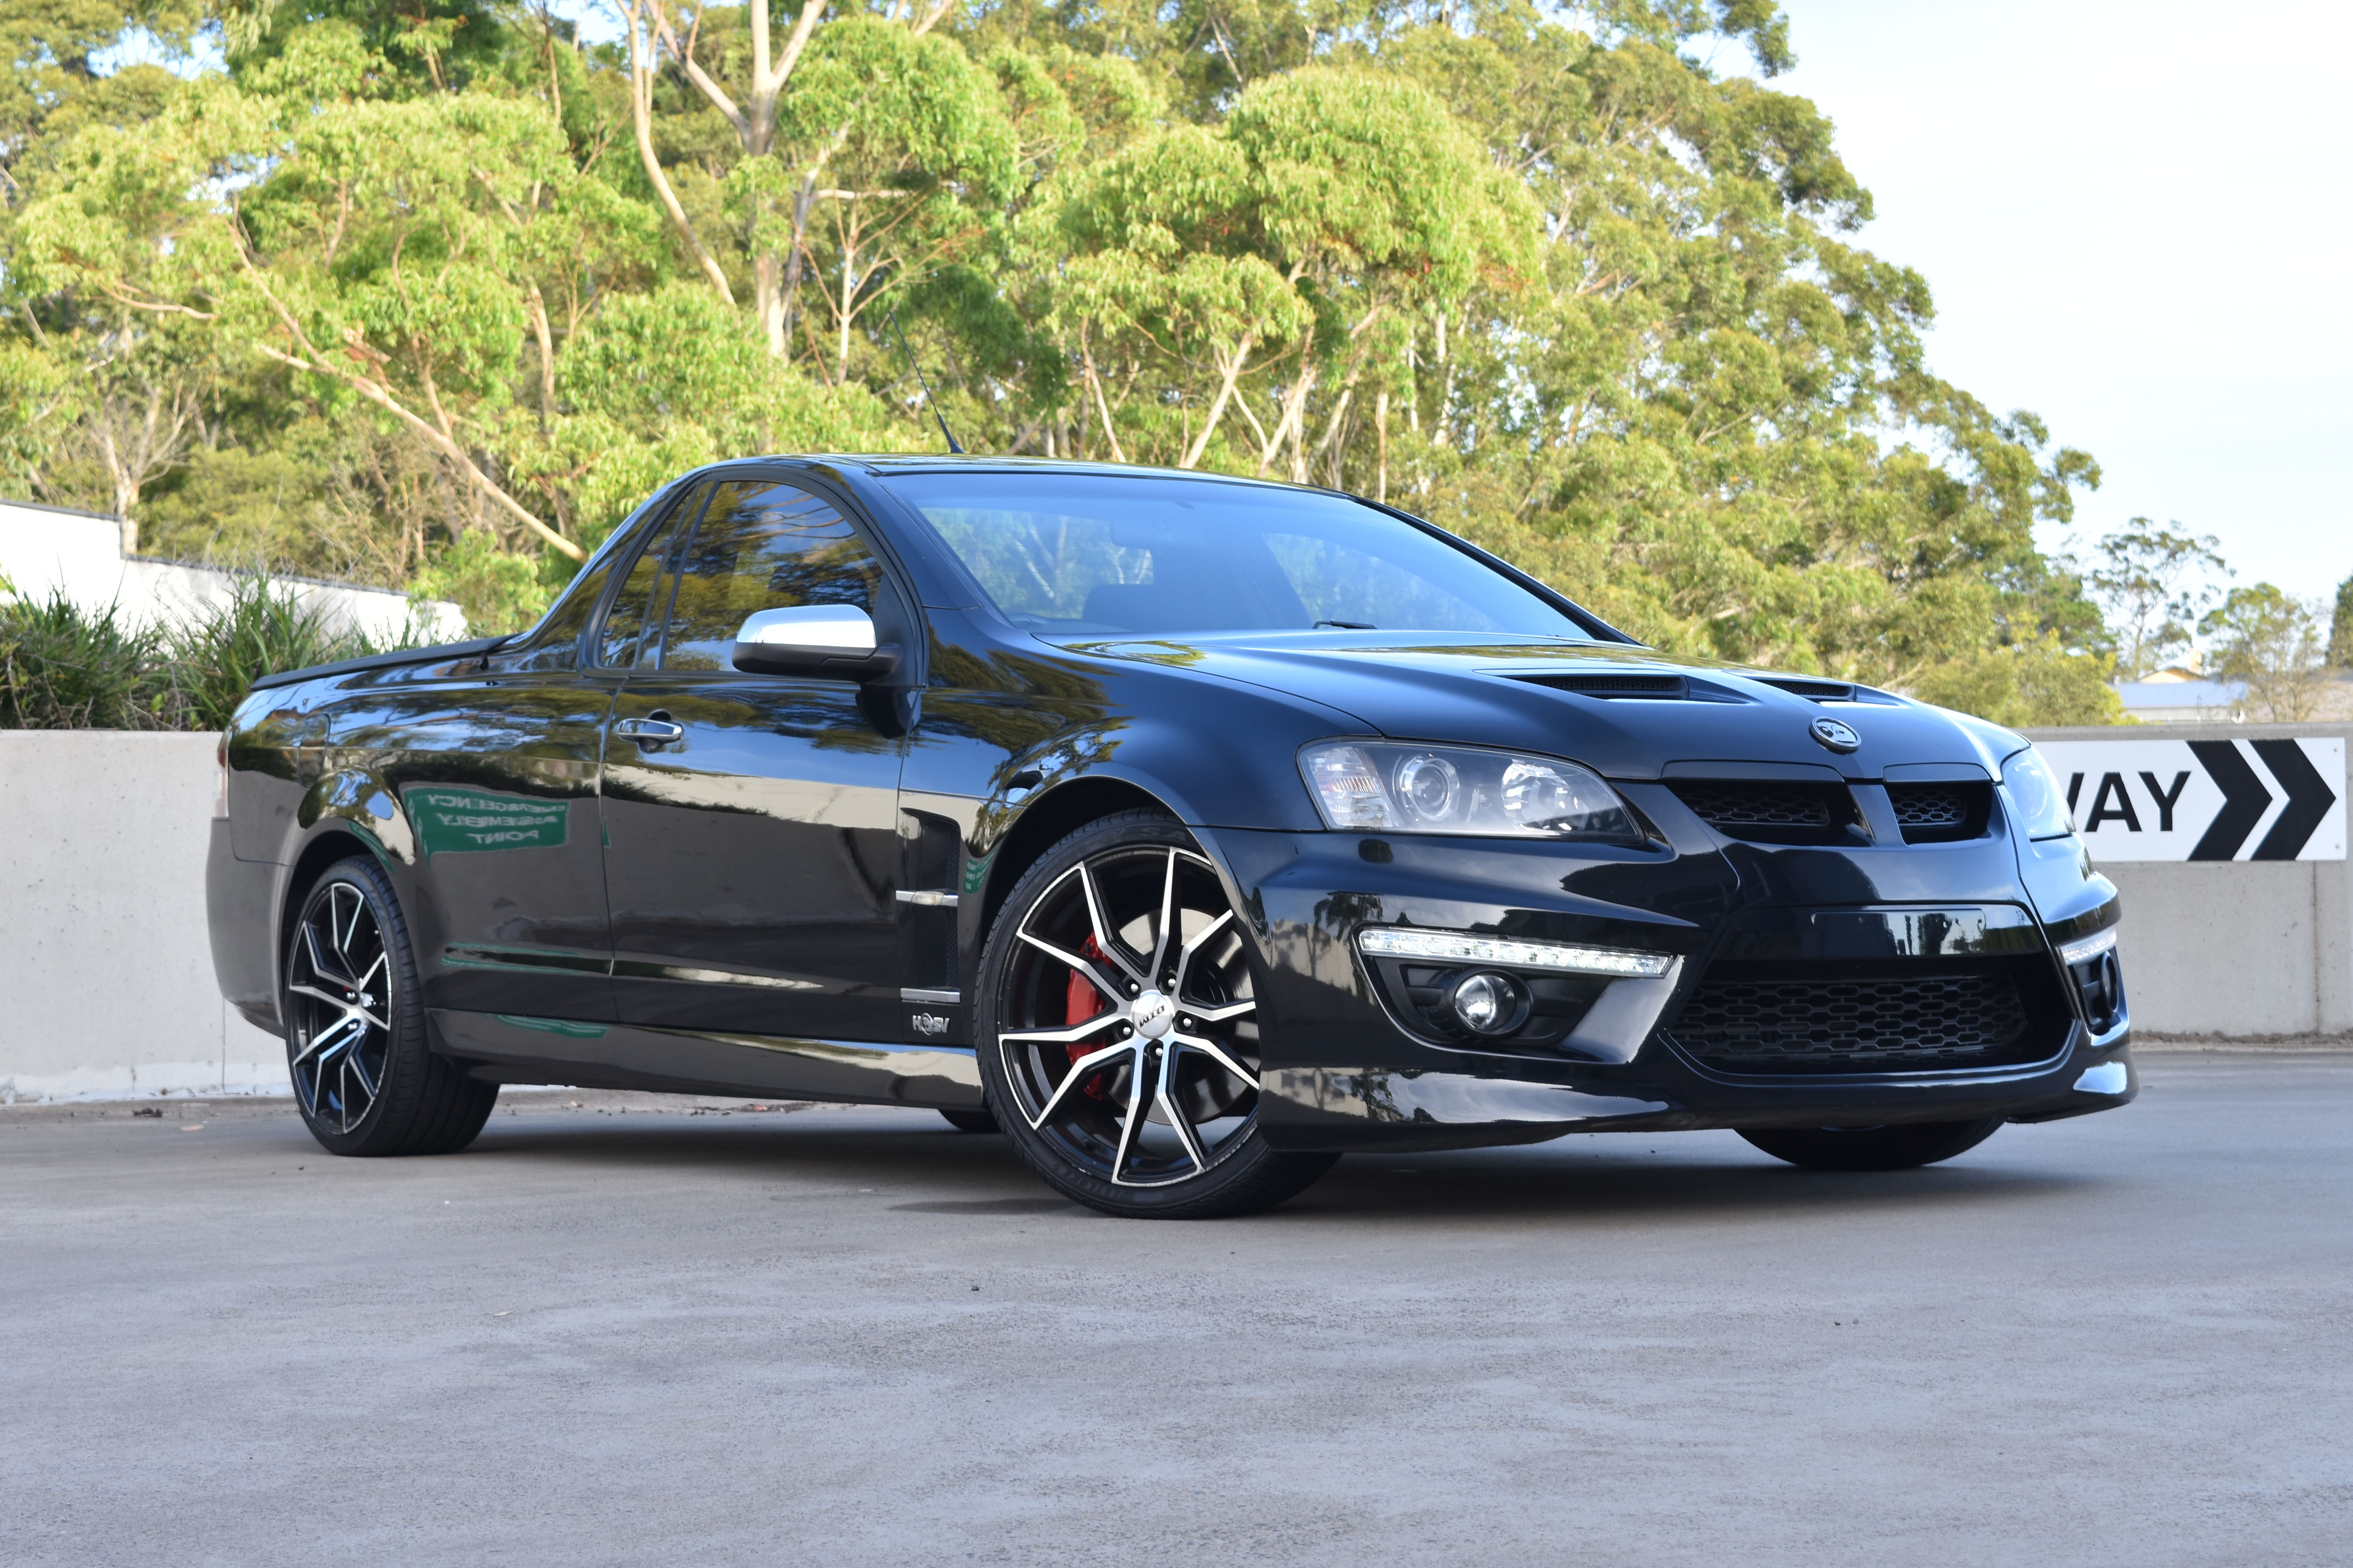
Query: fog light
{"type": "Point", "coordinates": [1486, 1003]}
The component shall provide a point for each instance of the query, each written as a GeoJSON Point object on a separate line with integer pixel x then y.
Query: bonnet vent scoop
{"type": "Point", "coordinates": [1826, 690]}
{"type": "Point", "coordinates": [1653, 687]}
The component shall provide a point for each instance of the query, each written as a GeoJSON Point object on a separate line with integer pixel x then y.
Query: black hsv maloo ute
{"type": "Point", "coordinates": [1189, 830]}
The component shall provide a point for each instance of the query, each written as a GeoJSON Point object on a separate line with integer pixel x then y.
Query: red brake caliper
{"type": "Point", "coordinates": [1083, 1002]}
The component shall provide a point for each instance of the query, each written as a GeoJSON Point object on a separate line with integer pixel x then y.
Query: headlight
{"type": "Point", "coordinates": [1374, 786]}
{"type": "Point", "coordinates": [2035, 795]}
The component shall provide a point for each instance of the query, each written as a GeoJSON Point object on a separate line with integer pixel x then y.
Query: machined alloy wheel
{"type": "Point", "coordinates": [1122, 1037]}
{"type": "Point", "coordinates": [338, 1007]}
{"type": "Point", "coordinates": [356, 1042]}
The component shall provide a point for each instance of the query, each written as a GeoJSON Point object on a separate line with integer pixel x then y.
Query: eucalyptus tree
{"type": "Point", "coordinates": [1273, 255]}
{"type": "Point", "coordinates": [392, 251]}
{"type": "Point", "coordinates": [2154, 583]}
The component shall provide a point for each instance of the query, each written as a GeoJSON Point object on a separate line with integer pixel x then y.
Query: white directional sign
{"type": "Point", "coordinates": [2156, 799]}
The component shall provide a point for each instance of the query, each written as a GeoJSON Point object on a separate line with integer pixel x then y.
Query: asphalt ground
{"type": "Point", "coordinates": [610, 1334]}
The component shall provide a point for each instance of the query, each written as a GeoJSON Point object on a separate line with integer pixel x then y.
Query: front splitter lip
{"type": "Point", "coordinates": [1379, 1108]}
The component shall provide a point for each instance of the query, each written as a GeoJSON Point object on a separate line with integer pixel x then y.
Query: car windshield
{"type": "Point", "coordinates": [1086, 555]}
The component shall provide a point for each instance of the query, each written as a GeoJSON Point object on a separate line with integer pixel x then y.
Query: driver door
{"type": "Point", "coordinates": [753, 854]}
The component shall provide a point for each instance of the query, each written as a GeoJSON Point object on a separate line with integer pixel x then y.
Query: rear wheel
{"type": "Point", "coordinates": [1119, 1029]}
{"type": "Point", "coordinates": [1898, 1148]}
{"type": "Point", "coordinates": [355, 1046]}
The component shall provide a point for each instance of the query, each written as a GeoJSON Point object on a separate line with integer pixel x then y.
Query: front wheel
{"type": "Point", "coordinates": [354, 1020]}
{"type": "Point", "coordinates": [1119, 1031]}
{"type": "Point", "coordinates": [1898, 1148]}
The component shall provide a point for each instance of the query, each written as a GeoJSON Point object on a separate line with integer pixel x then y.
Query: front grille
{"type": "Point", "coordinates": [1770, 811]}
{"type": "Point", "coordinates": [1939, 813]}
{"type": "Point", "coordinates": [1917, 1022]}
{"type": "Point", "coordinates": [1929, 805]}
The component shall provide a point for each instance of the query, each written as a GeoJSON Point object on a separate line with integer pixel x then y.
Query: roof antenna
{"type": "Point", "coordinates": [929, 401]}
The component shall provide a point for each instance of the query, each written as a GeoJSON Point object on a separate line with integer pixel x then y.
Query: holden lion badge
{"type": "Point", "coordinates": [1839, 737]}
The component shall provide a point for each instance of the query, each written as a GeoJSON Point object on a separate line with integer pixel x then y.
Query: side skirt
{"type": "Point", "coordinates": [506, 1047]}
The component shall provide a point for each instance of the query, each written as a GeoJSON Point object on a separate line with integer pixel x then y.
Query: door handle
{"type": "Point", "coordinates": [655, 730]}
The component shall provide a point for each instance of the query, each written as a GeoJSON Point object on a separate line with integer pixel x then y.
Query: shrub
{"type": "Point", "coordinates": [263, 629]}
{"type": "Point", "coordinates": [63, 668]}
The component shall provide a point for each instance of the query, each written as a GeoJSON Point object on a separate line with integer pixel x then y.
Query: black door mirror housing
{"type": "Point", "coordinates": [831, 641]}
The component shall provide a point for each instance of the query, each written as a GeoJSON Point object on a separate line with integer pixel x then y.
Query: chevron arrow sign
{"type": "Point", "coordinates": [2158, 799]}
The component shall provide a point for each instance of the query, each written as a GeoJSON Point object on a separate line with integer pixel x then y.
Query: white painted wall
{"type": "Point", "coordinates": [106, 966]}
{"type": "Point", "coordinates": [46, 548]}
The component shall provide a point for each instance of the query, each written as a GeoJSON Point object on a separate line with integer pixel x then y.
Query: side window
{"type": "Point", "coordinates": [762, 546]}
{"type": "Point", "coordinates": [623, 641]}
{"type": "Point", "coordinates": [557, 645]}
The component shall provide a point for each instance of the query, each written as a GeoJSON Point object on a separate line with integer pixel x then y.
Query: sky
{"type": "Point", "coordinates": [2136, 221]}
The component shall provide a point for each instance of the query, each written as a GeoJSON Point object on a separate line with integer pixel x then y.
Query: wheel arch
{"type": "Point", "coordinates": [1046, 822]}
{"type": "Point", "coordinates": [334, 840]}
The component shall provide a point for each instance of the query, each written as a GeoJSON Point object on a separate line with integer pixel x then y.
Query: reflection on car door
{"type": "Point", "coordinates": [494, 760]}
{"type": "Point", "coordinates": [751, 820]}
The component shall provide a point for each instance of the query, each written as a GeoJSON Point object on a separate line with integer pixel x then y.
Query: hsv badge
{"type": "Point", "coordinates": [1839, 737]}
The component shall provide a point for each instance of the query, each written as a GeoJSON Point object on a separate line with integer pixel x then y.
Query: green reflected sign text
{"type": "Point", "coordinates": [452, 820]}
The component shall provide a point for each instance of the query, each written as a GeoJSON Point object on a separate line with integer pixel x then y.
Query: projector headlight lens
{"type": "Point", "coordinates": [1375, 786]}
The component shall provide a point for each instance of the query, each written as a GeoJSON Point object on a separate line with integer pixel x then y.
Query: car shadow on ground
{"type": "Point", "coordinates": [1587, 1179]}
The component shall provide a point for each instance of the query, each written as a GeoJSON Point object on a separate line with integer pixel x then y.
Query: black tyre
{"type": "Point", "coordinates": [972, 1120]}
{"type": "Point", "coordinates": [1898, 1148]}
{"type": "Point", "coordinates": [356, 1044]}
{"type": "Point", "coordinates": [1119, 1033]}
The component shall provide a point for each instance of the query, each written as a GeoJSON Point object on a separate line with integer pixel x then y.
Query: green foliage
{"type": "Point", "coordinates": [497, 590]}
{"type": "Point", "coordinates": [399, 297]}
{"type": "Point", "coordinates": [2340, 628]}
{"type": "Point", "coordinates": [2147, 579]}
{"type": "Point", "coordinates": [263, 628]}
{"type": "Point", "coordinates": [2270, 640]}
{"type": "Point", "coordinates": [66, 667]}
{"type": "Point", "coordinates": [2037, 682]}
{"type": "Point", "coordinates": [62, 668]}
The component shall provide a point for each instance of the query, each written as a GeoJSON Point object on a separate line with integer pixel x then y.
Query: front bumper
{"type": "Point", "coordinates": [1342, 1073]}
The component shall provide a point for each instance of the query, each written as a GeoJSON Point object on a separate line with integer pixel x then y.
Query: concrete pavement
{"type": "Point", "coordinates": [612, 1336]}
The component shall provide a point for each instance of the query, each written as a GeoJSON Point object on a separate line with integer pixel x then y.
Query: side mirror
{"type": "Point", "coordinates": [835, 641]}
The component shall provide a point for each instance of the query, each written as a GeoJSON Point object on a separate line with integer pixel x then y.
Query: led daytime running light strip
{"type": "Point", "coordinates": [2090, 947]}
{"type": "Point", "coordinates": [1395, 942]}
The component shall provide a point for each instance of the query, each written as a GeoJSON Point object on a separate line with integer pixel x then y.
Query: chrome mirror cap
{"type": "Point", "coordinates": [833, 641]}
{"type": "Point", "coordinates": [834, 631]}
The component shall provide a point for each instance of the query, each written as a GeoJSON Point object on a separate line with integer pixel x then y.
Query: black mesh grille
{"type": "Point", "coordinates": [1730, 804]}
{"type": "Point", "coordinates": [1918, 1023]}
{"type": "Point", "coordinates": [1929, 805]}
{"type": "Point", "coordinates": [1929, 813]}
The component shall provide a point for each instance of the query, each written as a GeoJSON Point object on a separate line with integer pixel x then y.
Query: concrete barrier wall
{"type": "Point", "coordinates": [106, 967]}
{"type": "Point", "coordinates": [2232, 947]}
{"type": "Point", "coordinates": [106, 975]}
